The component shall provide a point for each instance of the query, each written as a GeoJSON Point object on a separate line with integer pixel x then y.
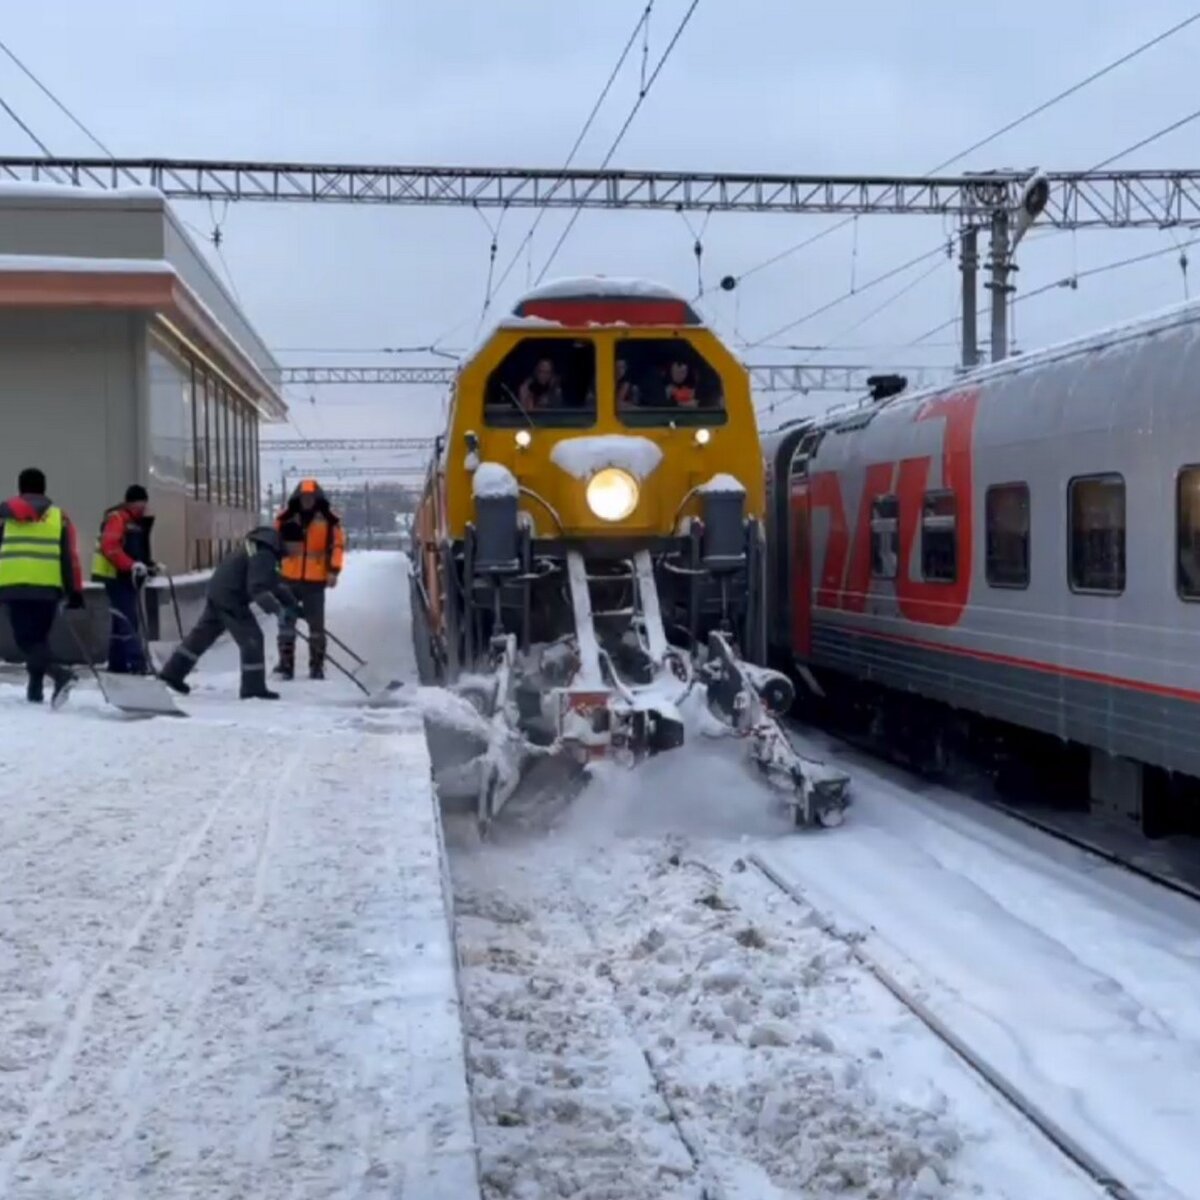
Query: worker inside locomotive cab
{"type": "Point", "coordinates": [543, 388]}
{"type": "Point", "coordinates": [681, 384]}
{"type": "Point", "coordinates": [628, 394]}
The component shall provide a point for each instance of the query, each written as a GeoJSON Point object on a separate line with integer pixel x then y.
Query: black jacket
{"type": "Point", "coordinates": [251, 575]}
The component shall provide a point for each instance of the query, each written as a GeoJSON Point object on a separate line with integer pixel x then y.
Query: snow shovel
{"type": "Point", "coordinates": [138, 695]}
{"type": "Point", "coordinates": [374, 696]}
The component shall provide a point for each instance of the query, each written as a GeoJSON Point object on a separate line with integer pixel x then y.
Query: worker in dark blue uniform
{"type": "Point", "coordinates": [248, 576]}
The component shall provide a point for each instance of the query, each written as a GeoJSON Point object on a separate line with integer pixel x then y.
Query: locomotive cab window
{"type": "Point", "coordinates": [885, 536]}
{"type": "Point", "coordinates": [543, 382]}
{"type": "Point", "coordinates": [666, 381]}
{"type": "Point", "coordinates": [1097, 514]}
{"type": "Point", "coordinates": [1187, 525]}
{"type": "Point", "coordinates": [939, 538]}
{"type": "Point", "coordinates": [1006, 514]}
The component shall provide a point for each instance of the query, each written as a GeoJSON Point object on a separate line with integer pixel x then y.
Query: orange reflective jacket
{"type": "Point", "coordinates": [324, 538]}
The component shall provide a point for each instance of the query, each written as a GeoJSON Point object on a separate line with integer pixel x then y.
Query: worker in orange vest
{"type": "Point", "coordinates": [314, 549]}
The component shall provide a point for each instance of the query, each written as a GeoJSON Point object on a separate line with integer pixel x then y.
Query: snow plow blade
{"type": "Point", "coordinates": [751, 700]}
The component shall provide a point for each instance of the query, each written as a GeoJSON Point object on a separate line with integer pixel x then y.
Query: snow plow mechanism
{"type": "Point", "coordinates": [566, 703]}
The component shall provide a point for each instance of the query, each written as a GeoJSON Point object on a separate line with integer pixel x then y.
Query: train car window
{"type": "Point", "coordinates": [939, 538]}
{"type": "Point", "coordinates": [1187, 525]}
{"type": "Point", "coordinates": [885, 536]}
{"type": "Point", "coordinates": [543, 382]}
{"type": "Point", "coordinates": [1006, 515]}
{"type": "Point", "coordinates": [666, 381]}
{"type": "Point", "coordinates": [1097, 515]}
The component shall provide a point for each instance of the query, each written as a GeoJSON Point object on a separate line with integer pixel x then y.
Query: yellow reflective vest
{"type": "Point", "coordinates": [30, 552]}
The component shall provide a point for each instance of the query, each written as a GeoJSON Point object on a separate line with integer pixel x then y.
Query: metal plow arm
{"type": "Point", "coordinates": [750, 699]}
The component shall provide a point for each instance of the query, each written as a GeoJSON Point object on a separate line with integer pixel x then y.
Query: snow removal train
{"type": "Point", "coordinates": [589, 553]}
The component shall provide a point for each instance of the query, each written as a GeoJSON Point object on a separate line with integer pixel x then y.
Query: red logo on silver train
{"type": "Point", "coordinates": [844, 580]}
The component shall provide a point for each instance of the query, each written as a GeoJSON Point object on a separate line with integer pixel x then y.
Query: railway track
{"type": "Point", "coordinates": [1105, 1179]}
{"type": "Point", "coordinates": [1044, 820]}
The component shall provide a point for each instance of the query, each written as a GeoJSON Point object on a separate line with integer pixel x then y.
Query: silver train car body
{"type": "Point", "coordinates": [1022, 546]}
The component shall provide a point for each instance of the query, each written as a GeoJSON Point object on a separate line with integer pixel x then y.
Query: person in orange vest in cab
{"type": "Point", "coordinates": [123, 563]}
{"type": "Point", "coordinates": [314, 549]}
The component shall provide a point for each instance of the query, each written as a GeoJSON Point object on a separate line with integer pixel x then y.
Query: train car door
{"type": "Point", "coordinates": [800, 542]}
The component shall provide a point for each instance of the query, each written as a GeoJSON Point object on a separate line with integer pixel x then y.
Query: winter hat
{"type": "Point", "coordinates": [136, 494]}
{"type": "Point", "coordinates": [31, 482]}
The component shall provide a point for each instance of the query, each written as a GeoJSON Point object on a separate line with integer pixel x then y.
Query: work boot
{"type": "Point", "coordinates": [254, 688]}
{"type": "Point", "coordinates": [173, 672]}
{"type": "Point", "coordinates": [35, 688]}
{"type": "Point", "coordinates": [64, 681]}
{"type": "Point", "coordinates": [286, 667]}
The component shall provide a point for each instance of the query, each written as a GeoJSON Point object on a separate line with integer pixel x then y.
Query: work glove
{"type": "Point", "coordinates": [154, 570]}
{"type": "Point", "coordinates": [139, 573]}
{"type": "Point", "coordinates": [75, 600]}
{"type": "Point", "coordinates": [333, 578]}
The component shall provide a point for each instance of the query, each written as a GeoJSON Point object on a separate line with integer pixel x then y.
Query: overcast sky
{"type": "Point", "coordinates": [770, 85]}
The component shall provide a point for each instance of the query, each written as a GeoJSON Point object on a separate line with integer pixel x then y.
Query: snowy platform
{"type": "Point", "coordinates": [226, 962]}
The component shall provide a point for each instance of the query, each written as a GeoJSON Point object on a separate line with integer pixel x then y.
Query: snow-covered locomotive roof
{"type": "Point", "coordinates": [604, 300]}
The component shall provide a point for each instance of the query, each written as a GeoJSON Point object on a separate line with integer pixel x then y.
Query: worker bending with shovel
{"type": "Point", "coordinates": [315, 548]}
{"type": "Point", "coordinates": [248, 576]}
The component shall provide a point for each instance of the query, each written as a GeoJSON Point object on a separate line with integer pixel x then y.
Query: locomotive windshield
{"type": "Point", "coordinates": [666, 381]}
{"type": "Point", "coordinates": [544, 382]}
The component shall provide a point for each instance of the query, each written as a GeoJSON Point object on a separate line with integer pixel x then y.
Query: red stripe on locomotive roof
{"type": "Point", "coordinates": [610, 311]}
{"type": "Point", "coordinates": [1029, 664]}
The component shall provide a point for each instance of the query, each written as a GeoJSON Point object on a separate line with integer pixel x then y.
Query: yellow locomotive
{"type": "Point", "coordinates": [589, 554]}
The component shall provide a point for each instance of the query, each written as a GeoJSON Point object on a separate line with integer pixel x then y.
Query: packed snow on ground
{"type": "Point", "coordinates": [582, 457]}
{"type": "Point", "coordinates": [225, 965]}
{"type": "Point", "coordinates": [632, 987]}
{"type": "Point", "coordinates": [1079, 982]}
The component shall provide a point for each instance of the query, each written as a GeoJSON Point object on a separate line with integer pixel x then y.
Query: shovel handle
{"type": "Point", "coordinates": [333, 662]}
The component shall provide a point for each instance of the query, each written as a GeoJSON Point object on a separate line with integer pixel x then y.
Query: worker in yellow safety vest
{"type": "Point", "coordinates": [39, 565]}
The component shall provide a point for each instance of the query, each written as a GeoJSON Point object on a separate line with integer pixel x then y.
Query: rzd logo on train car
{"type": "Point", "coordinates": [845, 577]}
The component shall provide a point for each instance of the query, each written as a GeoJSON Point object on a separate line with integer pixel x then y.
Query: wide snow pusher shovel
{"type": "Point", "coordinates": [137, 695]}
{"type": "Point", "coordinates": [377, 689]}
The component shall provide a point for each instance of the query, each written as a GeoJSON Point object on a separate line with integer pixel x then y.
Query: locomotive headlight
{"type": "Point", "coordinates": [612, 494]}
{"type": "Point", "coordinates": [523, 439]}
{"type": "Point", "coordinates": [702, 437]}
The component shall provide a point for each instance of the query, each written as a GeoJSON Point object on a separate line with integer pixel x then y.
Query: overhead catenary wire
{"type": "Point", "coordinates": [633, 112]}
{"type": "Point", "coordinates": [54, 99]}
{"type": "Point", "coordinates": [12, 112]}
{"type": "Point", "coordinates": [1068, 281]}
{"type": "Point", "coordinates": [642, 23]}
{"type": "Point", "coordinates": [1037, 110]}
{"type": "Point", "coordinates": [939, 249]}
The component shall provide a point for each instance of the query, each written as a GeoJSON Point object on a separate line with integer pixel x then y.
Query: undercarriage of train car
{"type": "Point", "coordinates": [608, 648]}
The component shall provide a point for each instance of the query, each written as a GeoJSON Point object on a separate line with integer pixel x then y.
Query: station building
{"type": "Point", "coordinates": [124, 359]}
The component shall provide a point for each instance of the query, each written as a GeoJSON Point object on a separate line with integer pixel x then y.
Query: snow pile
{"type": "Point", "coordinates": [493, 481]}
{"type": "Point", "coordinates": [724, 485]}
{"type": "Point", "coordinates": [582, 457]}
{"type": "Point", "coordinates": [584, 287]}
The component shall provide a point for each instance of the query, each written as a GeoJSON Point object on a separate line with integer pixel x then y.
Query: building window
{"type": "Point", "coordinates": [1006, 513]}
{"type": "Point", "coordinates": [885, 536]}
{"type": "Point", "coordinates": [200, 418]}
{"type": "Point", "coordinates": [1097, 518]}
{"type": "Point", "coordinates": [939, 538]}
{"type": "Point", "coordinates": [169, 418]}
{"type": "Point", "coordinates": [1187, 526]}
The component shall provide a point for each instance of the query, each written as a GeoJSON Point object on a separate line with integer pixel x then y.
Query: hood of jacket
{"type": "Point", "coordinates": [25, 508]}
{"type": "Point", "coordinates": [309, 487]}
{"type": "Point", "coordinates": [266, 537]}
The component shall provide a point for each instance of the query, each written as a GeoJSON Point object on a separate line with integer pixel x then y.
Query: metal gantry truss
{"type": "Point", "coordinates": [1077, 199]}
{"type": "Point", "coordinates": [764, 377]}
{"type": "Point", "coordinates": [285, 445]}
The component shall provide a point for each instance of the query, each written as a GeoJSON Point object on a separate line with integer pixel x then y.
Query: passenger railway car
{"type": "Point", "coordinates": [590, 538]}
{"type": "Point", "coordinates": [1013, 560]}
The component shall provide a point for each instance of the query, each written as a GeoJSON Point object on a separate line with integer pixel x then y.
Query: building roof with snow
{"type": "Point", "coordinates": [65, 247]}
